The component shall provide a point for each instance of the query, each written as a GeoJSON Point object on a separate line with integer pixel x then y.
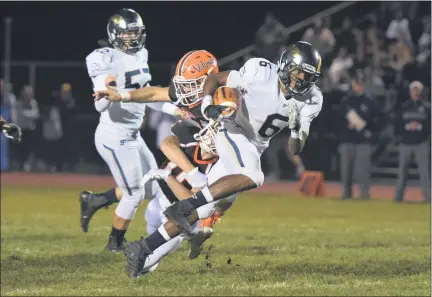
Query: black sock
{"type": "Point", "coordinates": [119, 234]}
{"type": "Point", "coordinates": [111, 196]}
{"type": "Point", "coordinates": [198, 200]}
{"type": "Point", "coordinates": [155, 240]}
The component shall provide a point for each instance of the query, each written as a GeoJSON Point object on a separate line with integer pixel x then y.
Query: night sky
{"type": "Point", "coordinates": [68, 31]}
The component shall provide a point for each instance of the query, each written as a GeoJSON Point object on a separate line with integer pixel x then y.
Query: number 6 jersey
{"type": "Point", "coordinates": [263, 108]}
{"type": "Point", "coordinates": [131, 71]}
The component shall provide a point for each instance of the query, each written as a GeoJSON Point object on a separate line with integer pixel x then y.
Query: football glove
{"type": "Point", "coordinates": [12, 131]}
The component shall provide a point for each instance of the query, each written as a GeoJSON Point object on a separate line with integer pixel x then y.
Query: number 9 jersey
{"type": "Point", "coordinates": [264, 111]}
{"type": "Point", "coordinates": [130, 72]}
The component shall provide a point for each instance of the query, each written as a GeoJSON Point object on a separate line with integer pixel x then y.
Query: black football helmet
{"type": "Point", "coordinates": [126, 31]}
{"type": "Point", "coordinates": [300, 57]}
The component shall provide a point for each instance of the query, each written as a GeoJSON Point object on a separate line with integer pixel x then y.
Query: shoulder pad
{"type": "Point", "coordinates": [257, 70]}
{"type": "Point", "coordinates": [143, 54]}
{"type": "Point", "coordinates": [99, 61]}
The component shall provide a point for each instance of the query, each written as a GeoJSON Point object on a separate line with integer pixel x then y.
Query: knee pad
{"type": "Point", "coordinates": [154, 216]}
{"type": "Point", "coordinates": [128, 205]}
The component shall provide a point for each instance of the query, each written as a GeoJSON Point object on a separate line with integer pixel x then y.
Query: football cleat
{"type": "Point", "coordinates": [196, 241]}
{"type": "Point", "coordinates": [115, 245]}
{"type": "Point", "coordinates": [87, 209]}
{"type": "Point", "coordinates": [136, 254]}
{"type": "Point", "coordinates": [179, 213]}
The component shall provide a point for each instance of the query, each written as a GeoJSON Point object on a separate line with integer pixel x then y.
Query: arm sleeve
{"type": "Point", "coordinates": [98, 67]}
{"type": "Point", "coordinates": [243, 77]}
{"type": "Point", "coordinates": [309, 112]}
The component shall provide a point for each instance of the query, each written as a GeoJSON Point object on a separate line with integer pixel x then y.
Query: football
{"type": "Point", "coordinates": [227, 97]}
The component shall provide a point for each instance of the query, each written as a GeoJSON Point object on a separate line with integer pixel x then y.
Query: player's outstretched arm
{"type": "Point", "coordinates": [144, 95]}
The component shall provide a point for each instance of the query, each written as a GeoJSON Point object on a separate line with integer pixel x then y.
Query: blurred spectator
{"type": "Point", "coordinates": [424, 42]}
{"type": "Point", "coordinates": [349, 37]}
{"type": "Point", "coordinates": [372, 44]}
{"type": "Point", "coordinates": [413, 128]}
{"type": "Point", "coordinates": [340, 66]}
{"type": "Point", "coordinates": [399, 28]}
{"type": "Point", "coordinates": [374, 85]}
{"type": "Point", "coordinates": [399, 55]}
{"type": "Point", "coordinates": [358, 126]}
{"type": "Point", "coordinates": [325, 82]}
{"type": "Point", "coordinates": [269, 38]}
{"type": "Point", "coordinates": [27, 116]}
{"type": "Point", "coordinates": [8, 100]}
{"type": "Point", "coordinates": [321, 37]}
{"type": "Point", "coordinates": [66, 104]}
{"type": "Point", "coordinates": [52, 133]}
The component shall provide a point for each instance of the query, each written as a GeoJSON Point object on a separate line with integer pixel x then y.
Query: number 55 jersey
{"type": "Point", "coordinates": [130, 72]}
{"type": "Point", "coordinates": [264, 111]}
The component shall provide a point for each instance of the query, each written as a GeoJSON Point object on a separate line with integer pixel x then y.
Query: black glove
{"type": "Point", "coordinates": [12, 131]}
{"type": "Point", "coordinates": [214, 111]}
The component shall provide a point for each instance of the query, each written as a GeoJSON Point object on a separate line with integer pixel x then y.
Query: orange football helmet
{"type": "Point", "coordinates": [190, 75]}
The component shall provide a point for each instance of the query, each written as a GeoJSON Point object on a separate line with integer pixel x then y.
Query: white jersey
{"type": "Point", "coordinates": [263, 108]}
{"type": "Point", "coordinates": [131, 72]}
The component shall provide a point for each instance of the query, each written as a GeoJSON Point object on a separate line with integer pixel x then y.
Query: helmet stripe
{"type": "Point", "coordinates": [183, 61]}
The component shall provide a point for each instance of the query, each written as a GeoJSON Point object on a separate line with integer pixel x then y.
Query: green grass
{"type": "Point", "coordinates": [264, 246]}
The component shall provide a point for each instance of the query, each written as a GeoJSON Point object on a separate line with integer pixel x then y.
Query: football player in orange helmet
{"type": "Point", "coordinates": [186, 91]}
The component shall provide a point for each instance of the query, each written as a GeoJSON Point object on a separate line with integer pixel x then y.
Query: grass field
{"type": "Point", "coordinates": [264, 246]}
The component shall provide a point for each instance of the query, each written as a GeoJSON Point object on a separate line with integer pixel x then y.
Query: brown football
{"type": "Point", "coordinates": [227, 97]}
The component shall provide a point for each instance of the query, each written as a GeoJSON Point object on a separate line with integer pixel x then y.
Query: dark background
{"type": "Point", "coordinates": [68, 31]}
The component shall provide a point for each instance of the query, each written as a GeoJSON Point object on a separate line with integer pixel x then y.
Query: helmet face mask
{"type": "Point", "coordinates": [207, 139]}
{"type": "Point", "coordinates": [126, 31]}
{"type": "Point", "coordinates": [298, 69]}
{"type": "Point", "coordinates": [188, 91]}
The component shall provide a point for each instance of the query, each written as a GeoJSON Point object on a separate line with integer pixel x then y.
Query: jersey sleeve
{"type": "Point", "coordinates": [255, 70]}
{"type": "Point", "coordinates": [98, 67]}
{"type": "Point", "coordinates": [185, 131]}
{"type": "Point", "coordinates": [310, 111]}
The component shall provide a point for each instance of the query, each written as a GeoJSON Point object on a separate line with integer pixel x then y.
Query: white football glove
{"type": "Point", "coordinates": [155, 174]}
{"type": "Point", "coordinates": [196, 179]}
{"type": "Point", "coordinates": [293, 118]}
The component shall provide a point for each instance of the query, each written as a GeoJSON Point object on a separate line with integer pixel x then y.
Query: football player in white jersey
{"type": "Point", "coordinates": [273, 97]}
{"type": "Point", "coordinates": [117, 137]}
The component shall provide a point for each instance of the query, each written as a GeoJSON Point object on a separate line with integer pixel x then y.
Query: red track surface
{"type": "Point", "coordinates": [95, 181]}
